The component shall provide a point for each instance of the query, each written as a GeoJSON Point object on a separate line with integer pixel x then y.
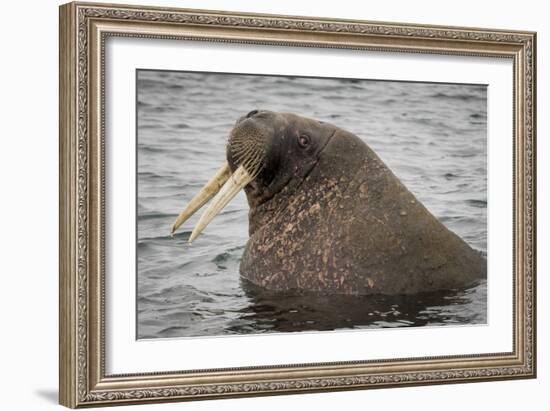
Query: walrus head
{"type": "Point", "coordinates": [266, 153]}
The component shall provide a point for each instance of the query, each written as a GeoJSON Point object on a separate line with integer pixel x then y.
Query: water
{"type": "Point", "coordinates": [432, 136]}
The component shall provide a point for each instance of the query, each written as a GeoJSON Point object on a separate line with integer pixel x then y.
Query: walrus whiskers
{"type": "Point", "coordinates": [248, 148]}
{"type": "Point", "coordinates": [244, 156]}
{"type": "Point", "coordinates": [248, 154]}
{"type": "Point", "coordinates": [253, 164]}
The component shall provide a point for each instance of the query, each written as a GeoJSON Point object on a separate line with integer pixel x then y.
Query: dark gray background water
{"type": "Point", "coordinates": [432, 136]}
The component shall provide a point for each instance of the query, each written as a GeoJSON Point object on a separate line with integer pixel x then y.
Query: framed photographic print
{"type": "Point", "coordinates": [259, 204]}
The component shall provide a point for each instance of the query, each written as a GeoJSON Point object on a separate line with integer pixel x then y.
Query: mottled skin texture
{"type": "Point", "coordinates": [332, 218]}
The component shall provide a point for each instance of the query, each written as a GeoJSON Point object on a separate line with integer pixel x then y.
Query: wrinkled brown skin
{"type": "Point", "coordinates": [351, 227]}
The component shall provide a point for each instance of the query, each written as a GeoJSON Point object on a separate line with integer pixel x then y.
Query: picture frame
{"type": "Point", "coordinates": [85, 28]}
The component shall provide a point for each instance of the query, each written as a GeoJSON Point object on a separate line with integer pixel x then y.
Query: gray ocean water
{"type": "Point", "coordinates": [432, 136]}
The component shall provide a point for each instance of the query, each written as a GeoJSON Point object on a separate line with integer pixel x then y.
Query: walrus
{"type": "Point", "coordinates": [328, 216]}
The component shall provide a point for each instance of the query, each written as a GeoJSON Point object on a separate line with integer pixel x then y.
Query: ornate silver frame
{"type": "Point", "coordinates": [83, 30]}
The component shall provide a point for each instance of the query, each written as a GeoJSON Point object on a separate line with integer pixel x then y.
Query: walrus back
{"type": "Point", "coordinates": [399, 247]}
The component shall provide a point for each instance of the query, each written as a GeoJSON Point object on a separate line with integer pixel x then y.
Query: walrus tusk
{"type": "Point", "coordinates": [231, 188]}
{"type": "Point", "coordinates": [207, 192]}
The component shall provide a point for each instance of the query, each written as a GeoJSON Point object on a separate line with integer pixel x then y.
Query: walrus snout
{"type": "Point", "coordinates": [247, 146]}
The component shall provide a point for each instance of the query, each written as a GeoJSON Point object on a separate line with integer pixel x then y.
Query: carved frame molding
{"type": "Point", "coordinates": [84, 27]}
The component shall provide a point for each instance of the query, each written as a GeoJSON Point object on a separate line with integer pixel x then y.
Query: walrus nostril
{"type": "Point", "coordinates": [252, 113]}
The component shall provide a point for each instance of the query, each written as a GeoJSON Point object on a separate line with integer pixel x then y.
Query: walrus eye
{"type": "Point", "coordinates": [304, 140]}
